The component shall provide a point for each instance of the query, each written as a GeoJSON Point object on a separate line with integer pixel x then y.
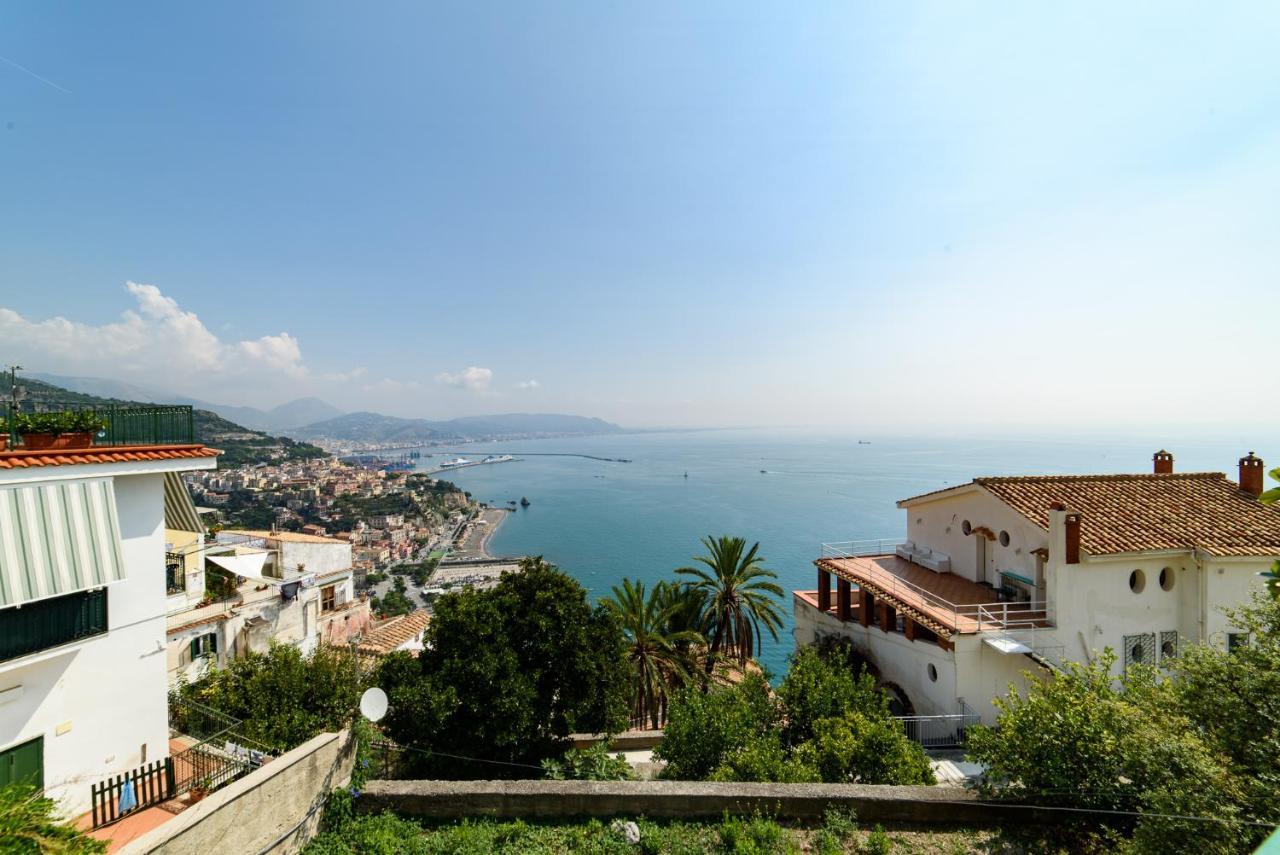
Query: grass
{"type": "Point", "coordinates": [389, 834]}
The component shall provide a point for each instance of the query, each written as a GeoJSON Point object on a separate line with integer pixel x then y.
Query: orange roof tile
{"type": "Point", "coordinates": [394, 633]}
{"type": "Point", "coordinates": [102, 454]}
{"type": "Point", "coordinates": [1136, 513]}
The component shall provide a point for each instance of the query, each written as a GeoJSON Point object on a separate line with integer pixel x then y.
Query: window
{"type": "Point", "coordinates": [933, 673]}
{"type": "Point", "coordinates": [49, 623]}
{"type": "Point", "coordinates": [1167, 578]}
{"type": "Point", "coordinates": [966, 527]}
{"type": "Point", "coordinates": [1139, 649]}
{"type": "Point", "coordinates": [1168, 645]}
{"type": "Point", "coordinates": [204, 645]}
{"type": "Point", "coordinates": [328, 595]}
{"type": "Point", "coordinates": [1004, 538]}
{"type": "Point", "coordinates": [175, 581]}
{"type": "Point", "coordinates": [1137, 581]}
{"type": "Point", "coordinates": [1237, 641]}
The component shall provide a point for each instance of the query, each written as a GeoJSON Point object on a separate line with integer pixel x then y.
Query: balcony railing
{"type": "Point", "coordinates": [996, 616]}
{"type": "Point", "coordinates": [125, 424]}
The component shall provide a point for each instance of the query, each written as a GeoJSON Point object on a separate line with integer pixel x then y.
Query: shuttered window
{"type": "Point", "coordinates": [204, 645]}
{"type": "Point", "coordinates": [48, 623]}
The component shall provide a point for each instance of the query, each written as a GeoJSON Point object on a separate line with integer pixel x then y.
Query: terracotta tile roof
{"type": "Point", "coordinates": [102, 454]}
{"type": "Point", "coordinates": [394, 633]}
{"type": "Point", "coordinates": [1133, 513]}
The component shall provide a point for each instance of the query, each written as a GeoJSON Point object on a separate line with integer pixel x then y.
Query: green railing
{"type": "Point", "coordinates": [126, 424]}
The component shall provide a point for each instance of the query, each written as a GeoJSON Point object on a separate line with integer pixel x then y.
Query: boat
{"type": "Point", "coordinates": [455, 462]}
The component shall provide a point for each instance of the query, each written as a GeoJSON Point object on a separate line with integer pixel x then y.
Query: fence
{"type": "Point", "coordinates": [125, 425]}
{"type": "Point", "coordinates": [940, 731]}
{"type": "Point", "coordinates": [150, 784]}
{"type": "Point", "coordinates": [205, 768]}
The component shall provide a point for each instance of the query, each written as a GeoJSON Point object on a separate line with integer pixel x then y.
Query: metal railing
{"type": "Point", "coordinates": [967, 617]}
{"type": "Point", "coordinates": [125, 424]}
{"type": "Point", "coordinates": [940, 731]}
{"type": "Point", "coordinates": [861, 548]}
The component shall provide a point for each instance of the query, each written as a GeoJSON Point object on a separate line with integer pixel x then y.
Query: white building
{"type": "Point", "coordinates": [83, 584]}
{"type": "Point", "coordinates": [251, 589]}
{"type": "Point", "coordinates": [1001, 575]}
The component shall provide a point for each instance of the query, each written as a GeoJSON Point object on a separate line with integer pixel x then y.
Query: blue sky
{"type": "Point", "coordinates": [1050, 216]}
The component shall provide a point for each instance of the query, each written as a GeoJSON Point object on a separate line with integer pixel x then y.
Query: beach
{"type": "Point", "coordinates": [475, 540]}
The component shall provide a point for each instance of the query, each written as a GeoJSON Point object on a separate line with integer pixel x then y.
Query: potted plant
{"type": "Point", "coordinates": [59, 430]}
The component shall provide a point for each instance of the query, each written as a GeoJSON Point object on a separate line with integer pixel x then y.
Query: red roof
{"type": "Point", "coordinates": [102, 454]}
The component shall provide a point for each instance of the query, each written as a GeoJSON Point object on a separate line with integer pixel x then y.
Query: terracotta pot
{"type": "Point", "coordinates": [42, 441]}
{"type": "Point", "coordinates": [4, 442]}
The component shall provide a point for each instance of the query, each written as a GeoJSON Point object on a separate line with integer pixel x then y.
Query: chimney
{"type": "Point", "coordinates": [1251, 475]}
{"type": "Point", "coordinates": [1163, 462]}
{"type": "Point", "coordinates": [1071, 523]}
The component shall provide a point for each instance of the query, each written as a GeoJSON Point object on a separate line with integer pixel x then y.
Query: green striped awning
{"type": "Point", "coordinates": [58, 539]}
{"type": "Point", "coordinates": [179, 511]}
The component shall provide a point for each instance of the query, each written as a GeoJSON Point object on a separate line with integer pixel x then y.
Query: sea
{"type": "Point", "coordinates": [789, 490]}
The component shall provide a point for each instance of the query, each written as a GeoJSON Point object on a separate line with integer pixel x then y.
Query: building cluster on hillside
{"type": "Point", "coordinates": [307, 495]}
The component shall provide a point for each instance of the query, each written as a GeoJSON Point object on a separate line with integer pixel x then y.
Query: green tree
{"type": "Point", "coordinates": [29, 825]}
{"type": "Point", "coordinates": [821, 684]}
{"type": "Point", "coordinates": [740, 599]}
{"type": "Point", "coordinates": [1080, 738]}
{"type": "Point", "coordinates": [658, 665]}
{"type": "Point", "coordinates": [283, 697]}
{"type": "Point", "coordinates": [507, 674]}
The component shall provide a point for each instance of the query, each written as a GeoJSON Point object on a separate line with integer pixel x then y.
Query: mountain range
{"type": "Point", "coordinates": [312, 418]}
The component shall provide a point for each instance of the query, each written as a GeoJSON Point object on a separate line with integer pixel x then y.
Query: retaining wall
{"type": "Point", "coordinates": [686, 800]}
{"type": "Point", "coordinates": [275, 810]}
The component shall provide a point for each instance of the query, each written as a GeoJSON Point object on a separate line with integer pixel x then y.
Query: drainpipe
{"type": "Point", "coordinates": [1202, 586]}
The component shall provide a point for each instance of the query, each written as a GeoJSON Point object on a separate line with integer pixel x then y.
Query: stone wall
{"type": "Point", "coordinates": [688, 800]}
{"type": "Point", "coordinates": [275, 810]}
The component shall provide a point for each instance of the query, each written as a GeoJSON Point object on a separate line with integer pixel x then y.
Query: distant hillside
{"type": "Point", "coordinates": [240, 444]}
{"type": "Point", "coordinates": [303, 411]}
{"type": "Point", "coordinates": [374, 427]}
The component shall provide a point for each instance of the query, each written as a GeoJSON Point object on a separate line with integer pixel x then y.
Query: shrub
{"type": "Point", "coordinates": [589, 764]}
{"type": "Point", "coordinates": [704, 729]}
{"type": "Point", "coordinates": [29, 824]}
{"type": "Point", "coordinates": [822, 683]}
{"type": "Point", "coordinates": [860, 748]}
{"type": "Point", "coordinates": [764, 759]}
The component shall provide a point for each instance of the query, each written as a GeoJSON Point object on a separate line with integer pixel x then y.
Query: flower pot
{"type": "Point", "coordinates": [4, 442]}
{"type": "Point", "coordinates": [42, 441]}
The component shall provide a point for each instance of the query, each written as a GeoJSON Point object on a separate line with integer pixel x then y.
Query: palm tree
{"type": "Point", "coordinates": [655, 651]}
{"type": "Point", "coordinates": [739, 599]}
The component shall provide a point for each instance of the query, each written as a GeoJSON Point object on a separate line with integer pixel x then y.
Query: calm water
{"type": "Point", "coordinates": [605, 521]}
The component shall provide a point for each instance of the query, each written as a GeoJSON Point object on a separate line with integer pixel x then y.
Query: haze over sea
{"type": "Point", "coordinates": [604, 521]}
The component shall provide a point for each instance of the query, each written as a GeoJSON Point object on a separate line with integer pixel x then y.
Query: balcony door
{"type": "Point", "coordinates": [980, 560]}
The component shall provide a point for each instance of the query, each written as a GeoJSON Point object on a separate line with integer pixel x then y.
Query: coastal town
{"type": "Point", "coordinates": [639, 429]}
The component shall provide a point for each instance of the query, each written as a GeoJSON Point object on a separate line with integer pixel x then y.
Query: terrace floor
{"type": "Point", "coordinates": [950, 600]}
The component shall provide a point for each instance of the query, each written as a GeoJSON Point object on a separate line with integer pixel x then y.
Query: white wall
{"type": "Point", "coordinates": [98, 703]}
{"type": "Point", "coordinates": [318, 558]}
{"type": "Point", "coordinates": [937, 523]}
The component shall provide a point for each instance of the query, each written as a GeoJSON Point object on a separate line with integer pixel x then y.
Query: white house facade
{"type": "Point", "coordinates": [1001, 575]}
{"type": "Point", "coordinates": [83, 590]}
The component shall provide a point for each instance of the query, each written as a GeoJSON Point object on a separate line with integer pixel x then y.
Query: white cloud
{"type": "Point", "coordinates": [160, 343]}
{"type": "Point", "coordinates": [528, 384]}
{"type": "Point", "coordinates": [472, 379]}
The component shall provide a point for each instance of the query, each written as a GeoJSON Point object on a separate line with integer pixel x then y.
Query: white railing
{"type": "Point", "coordinates": [993, 616]}
{"type": "Point", "coordinates": [861, 548]}
{"type": "Point", "coordinates": [939, 731]}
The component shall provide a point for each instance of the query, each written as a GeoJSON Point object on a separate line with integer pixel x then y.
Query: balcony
{"type": "Point", "coordinates": [113, 426]}
{"type": "Point", "coordinates": [945, 603]}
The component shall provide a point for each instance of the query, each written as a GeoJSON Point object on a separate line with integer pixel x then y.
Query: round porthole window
{"type": "Point", "coordinates": [1137, 653]}
{"type": "Point", "coordinates": [966, 527]}
{"type": "Point", "coordinates": [1137, 581]}
{"type": "Point", "coordinates": [1168, 649]}
{"type": "Point", "coordinates": [1167, 578]}
{"type": "Point", "coordinates": [1004, 538]}
{"type": "Point", "coordinates": [933, 673]}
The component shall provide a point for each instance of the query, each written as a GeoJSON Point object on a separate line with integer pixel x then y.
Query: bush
{"type": "Point", "coordinates": [823, 684]}
{"type": "Point", "coordinates": [764, 759]}
{"type": "Point", "coordinates": [705, 729]}
{"type": "Point", "coordinates": [29, 824]}
{"type": "Point", "coordinates": [866, 749]}
{"type": "Point", "coordinates": [283, 697]}
{"type": "Point", "coordinates": [589, 764]}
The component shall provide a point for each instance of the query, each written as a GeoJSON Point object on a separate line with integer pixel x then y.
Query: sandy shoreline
{"type": "Point", "coordinates": [476, 544]}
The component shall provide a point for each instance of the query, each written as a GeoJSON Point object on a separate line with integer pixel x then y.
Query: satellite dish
{"type": "Point", "coordinates": [373, 704]}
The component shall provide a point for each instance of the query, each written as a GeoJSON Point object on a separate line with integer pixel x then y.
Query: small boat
{"type": "Point", "coordinates": [686, 474]}
{"type": "Point", "coordinates": [764, 471]}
